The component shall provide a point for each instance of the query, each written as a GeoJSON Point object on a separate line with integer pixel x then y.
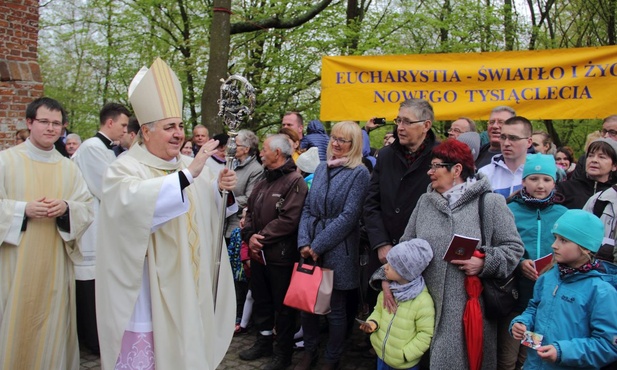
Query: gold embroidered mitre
{"type": "Point", "coordinates": [156, 93]}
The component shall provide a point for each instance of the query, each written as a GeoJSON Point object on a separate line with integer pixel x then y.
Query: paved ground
{"type": "Point", "coordinates": [351, 360]}
{"type": "Point", "coordinates": [90, 361]}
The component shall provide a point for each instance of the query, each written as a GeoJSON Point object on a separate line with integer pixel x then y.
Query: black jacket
{"type": "Point", "coordinates": [574, 193]}
{"type": "Point", "coordinates": [61, 146]}
{"type": "Point", "coordinates": [394, 192]}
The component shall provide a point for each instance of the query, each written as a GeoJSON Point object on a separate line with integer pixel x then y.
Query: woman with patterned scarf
{"type": "Point", "coordinates": [534, 215]}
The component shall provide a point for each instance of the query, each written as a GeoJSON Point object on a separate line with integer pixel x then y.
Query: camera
{"type": "Point", "coordinates": [379, 121]}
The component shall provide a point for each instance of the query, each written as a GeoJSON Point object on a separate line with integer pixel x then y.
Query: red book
{"type": "Point", "coordinates": [542, 262]}
{"type": "Point", "coordinates": [461, 248]}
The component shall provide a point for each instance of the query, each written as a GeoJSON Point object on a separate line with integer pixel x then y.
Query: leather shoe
{"type": "Point", "coordinates": [261, 348]}
{"type": "Point", "coordinates": [309, 359]}
{"type": "Point", "coordinates": [278, 363]}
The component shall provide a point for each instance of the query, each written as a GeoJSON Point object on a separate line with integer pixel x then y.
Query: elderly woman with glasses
{"type": "Point", "coordinates": [329, 233]}
{"type": "Point", "coordinates": [600, 174]}
{"type": "Point", "coordinates": [451, 206]}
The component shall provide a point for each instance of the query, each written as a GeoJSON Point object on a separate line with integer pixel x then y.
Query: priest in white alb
{"type": "Point", "coordinates": [44, 206]}
{"type": "Point", "coordinates": [159, 218]}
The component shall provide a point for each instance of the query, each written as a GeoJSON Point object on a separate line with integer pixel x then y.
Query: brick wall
{"type": "Point", "coordinates": [20, 76]}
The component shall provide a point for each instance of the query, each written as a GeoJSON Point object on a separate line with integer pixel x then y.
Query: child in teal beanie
{"type": "Point", "coordinates": [573, 304]}
{"type": "Point", "coordinates": [534, 214]}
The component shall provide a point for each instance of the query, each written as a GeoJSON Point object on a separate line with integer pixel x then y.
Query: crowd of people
{"type": "Point", "coordinates": [110, 242]}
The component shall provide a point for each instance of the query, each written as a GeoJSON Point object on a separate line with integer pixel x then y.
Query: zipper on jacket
{"type": "Point", "coordinates": [385, 338]}
{"type": "Point", "coordinates": [539, 234]}
{"type": "Point", "coordinates": [555, 290]}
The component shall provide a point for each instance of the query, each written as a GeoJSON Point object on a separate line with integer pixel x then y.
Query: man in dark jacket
{"type": "Point", "coordinates": [400, 176]}
{"type": "Point", "coordinates": [271, 231]}
{"type": "Point", "coordinates": [316, 136]}
{"type": "Point", "coordinates": [60, 144]}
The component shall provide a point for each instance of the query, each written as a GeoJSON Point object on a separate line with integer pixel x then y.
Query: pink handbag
{"type": "Point", "coordinates": [310, 288]}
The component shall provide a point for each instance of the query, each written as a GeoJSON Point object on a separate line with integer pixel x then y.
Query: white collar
{"type": "Point", "coordinates": [47, 156]}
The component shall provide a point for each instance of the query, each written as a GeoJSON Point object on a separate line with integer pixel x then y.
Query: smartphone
{"type": "Point", "coordinates": [379, 121]}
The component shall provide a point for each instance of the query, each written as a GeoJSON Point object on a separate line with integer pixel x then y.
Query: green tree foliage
{"type": "Point", "coordinates": [90, 50]}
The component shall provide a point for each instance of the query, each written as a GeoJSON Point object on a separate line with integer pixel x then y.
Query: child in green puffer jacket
{"type": "Point", "coordinates": [402, 337]}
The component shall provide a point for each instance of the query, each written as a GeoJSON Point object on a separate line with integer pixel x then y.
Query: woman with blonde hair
{"type": "Point", "coordinates": [329, 233]}
{"type": "Point", "coordinates": [294, 140]}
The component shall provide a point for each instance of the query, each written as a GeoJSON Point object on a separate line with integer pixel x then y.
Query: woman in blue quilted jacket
{"type": "Point", "coordinates": [329, 233]}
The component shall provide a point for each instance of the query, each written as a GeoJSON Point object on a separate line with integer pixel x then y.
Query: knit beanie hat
{"type": "Point", "coordinates": [308, 161]}
{"type": "Point", "coordinates": [543, 164]}
{"type": "Point", "coordinates": [581, 227]}
{"type": "Point", "coordinates": [410, 258]}
{"type": "Point", "coordinates": [472, 139]}
{"type": "Point", "coordinates": [612, 143]}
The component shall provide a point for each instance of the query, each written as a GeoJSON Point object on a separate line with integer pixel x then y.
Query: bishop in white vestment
{"type": "Point", "coordinates": [156, 242]}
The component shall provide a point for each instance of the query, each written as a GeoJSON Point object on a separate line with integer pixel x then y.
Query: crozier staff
{"type": "Point", "coordinates": [154, 290]}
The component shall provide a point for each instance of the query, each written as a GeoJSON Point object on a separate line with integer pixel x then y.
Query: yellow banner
{"type": "Point", "coordinates": [544, 84]}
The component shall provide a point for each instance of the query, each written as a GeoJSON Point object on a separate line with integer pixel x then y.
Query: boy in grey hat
{"type": "Point", "coordinates": [401, 338]}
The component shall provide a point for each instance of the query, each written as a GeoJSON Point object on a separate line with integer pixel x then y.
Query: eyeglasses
{"type": "Point", "coordinates": [611, 133]}
{"type": "Point", "coordinates": [455, 130]}
{"type": "Point", "coordinates": [339, 140]}
{"type": "Point", "coordinates": [45, 122]}
{"type": "Point", "coordinates": [406, 122]}
{"type": "Point", "coordinates": [496, 122]}
{"type": "Point", "coordinates": [436, 166]}
{"type": "Point", "coordinates": [504, 137]}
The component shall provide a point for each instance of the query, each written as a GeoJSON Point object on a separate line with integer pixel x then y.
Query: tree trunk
{"type": "Point", "coordinates": [187, 51]}
{"type": "Point", "coordinates": [446, 10]}
{"type": "Point", "coordinates": [550, 129]}
{"type": "Point", "coordinates": [108, 52]}
{"type": "Point", "coordinates": [508, 25]}
{"type": "Point", "coordinates": [352, 20]}
{"type": "Point", "coordinates": [612, 7]}
{"type": "Point", "coordinates": [220, 36]}
{"type": "Point", "coordinates": [486, 34]}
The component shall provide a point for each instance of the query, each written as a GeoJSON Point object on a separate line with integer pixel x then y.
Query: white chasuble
{"type": "Point", "coordinates": [37, 285]}
{"type": "Point", "coordinates": [143, 219]}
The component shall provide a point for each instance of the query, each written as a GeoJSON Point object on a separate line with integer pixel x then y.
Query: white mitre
{"type": "Point", "coordinates": [156, 93]}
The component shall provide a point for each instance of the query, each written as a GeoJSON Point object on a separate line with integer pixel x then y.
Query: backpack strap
{"type": "Point", "coordinates": [599, 205]}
